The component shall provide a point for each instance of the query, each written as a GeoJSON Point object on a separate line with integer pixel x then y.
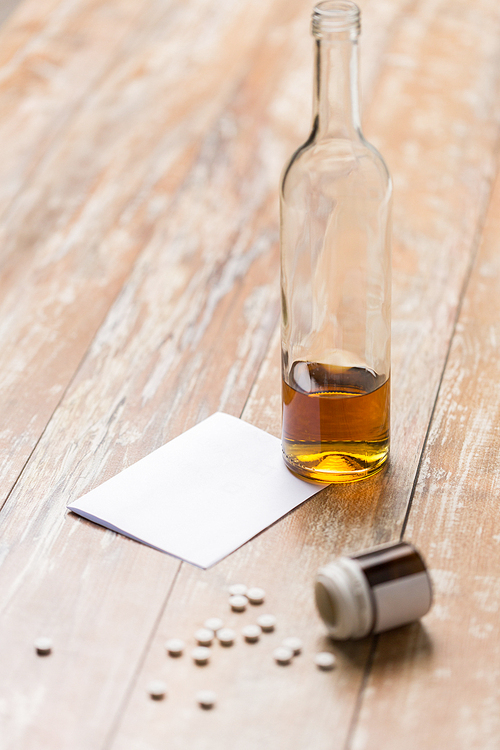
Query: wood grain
{"type": "Point", "coordinates": [321, 710]}
{"type": "Point", "coordinates": [154, 264]}
{"type": "Point", "coordinates": [6, 8]}
{"type": "Point", "coordinates": [180, 327]}
{"type": "Point", "coordinates": [438, 685]}
{"type": "Point", "coordinates": [89, 197]}
{"type": "Point", "coordinates": [170, 291]}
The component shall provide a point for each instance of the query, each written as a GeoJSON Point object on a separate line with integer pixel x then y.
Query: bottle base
{"type": "Point", "coordinates": [338, 463]}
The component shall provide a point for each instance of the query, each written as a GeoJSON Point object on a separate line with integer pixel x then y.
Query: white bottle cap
{"type": "Point", "coordinates": [343, 599]}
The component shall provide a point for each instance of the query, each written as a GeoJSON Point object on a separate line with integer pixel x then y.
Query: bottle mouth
{"type": "Point", "coordinates": [336, 17]}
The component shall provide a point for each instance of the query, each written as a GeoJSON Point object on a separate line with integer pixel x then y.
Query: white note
{"type": "Point", "coordinates": [203, 494]}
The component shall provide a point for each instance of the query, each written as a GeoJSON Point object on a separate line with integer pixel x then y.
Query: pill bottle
{"type": "Point", "coordinates": [373, 591]}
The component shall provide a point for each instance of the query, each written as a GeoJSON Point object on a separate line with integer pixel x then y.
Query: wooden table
{"type": "Point", "coordinates": [141, 143]}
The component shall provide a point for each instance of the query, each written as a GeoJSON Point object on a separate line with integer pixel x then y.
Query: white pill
{"type": "Point", "coordinates": [204, 637]}
{"type": "Point", "coordinates": [226, 636]}
{"type": "Point", "coordinates": [238, 603]}
{"type": "Point", "coordinates": [325, 660]}
{"type": "Point", "coordinates": [201, 654]}
{"type": "Point", "coordinates": [267, 623]}
{"type": "Point", "coordinates": [294, 644]}
{"type": "Point", "coordinates": [157, 690]}
{"type": "Point", "coordinates": [251, 633]}
{"type": "Point", "coordinates": [206, 698]}
{"type": "Point", "coordinates": [256, 595]}
{"type": "Point", "coordinates": [175, 646]}
{"type": "Point", "coordinates": [282, 655]}
{"type": "Point", "coordinates": [214, 623]}
{"type": "Point", "coordinates": [43, 646]}
{"type": "Point", "coordinates": [237, 589]}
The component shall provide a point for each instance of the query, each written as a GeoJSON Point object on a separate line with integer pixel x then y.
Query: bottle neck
{"type": "Point", "coordinates": [336, 101]}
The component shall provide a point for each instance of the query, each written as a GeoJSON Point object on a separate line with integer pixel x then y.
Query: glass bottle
{"type": "Point", "coordinates": [335, 274]}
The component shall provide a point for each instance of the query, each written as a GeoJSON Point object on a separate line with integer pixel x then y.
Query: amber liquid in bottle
{"type": "Point", "coordinates": [335, 422]}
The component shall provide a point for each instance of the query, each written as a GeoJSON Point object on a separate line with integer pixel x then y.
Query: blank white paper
{"type": "Point", "coordinates": [203, 494]}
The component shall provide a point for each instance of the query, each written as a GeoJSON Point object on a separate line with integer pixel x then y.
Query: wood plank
{"type": "Point", "coordinates": [6, 8]}
{"type": "Point", "coordinates": [52, 53]}
{"type": "Point", "coordinates": [201, 313]}
{"type": "Point", "coordinates": [57, 280]}
{"type": "Point", "coordinates": [260, 703]}
{"type": "Point", "coordinates": [164, 333]}
{"type": "Point", "coordinates": [297, 707]}
{"type": "Point", "coordinates": [87, 201]}
{"type": "Point", "coordinates": [122, 404]}
{"type": "Point", "coordinates": [438, 684]}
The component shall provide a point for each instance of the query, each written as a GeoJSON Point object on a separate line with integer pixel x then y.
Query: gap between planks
{"type": "Point", "coordinates": [475, 246]}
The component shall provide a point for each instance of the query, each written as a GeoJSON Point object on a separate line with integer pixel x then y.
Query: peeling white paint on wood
{"type": "Point", "coordinates": [140, 224]}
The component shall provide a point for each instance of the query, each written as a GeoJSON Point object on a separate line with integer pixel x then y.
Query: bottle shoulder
{"type": "Point", "coordinates": [350, 163]}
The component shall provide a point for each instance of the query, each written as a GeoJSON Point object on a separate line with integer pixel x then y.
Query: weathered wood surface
{"type": "Point", "coordinates": [6, 8]}
{"type": "Point", "coordinates": [449, 669]}
{"type": "Point", "coordinates": [139, 293]}
{"type": "Point", "coordinates": [120, 136]}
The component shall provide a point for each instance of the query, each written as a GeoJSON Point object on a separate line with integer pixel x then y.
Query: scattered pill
{"type": "Point", "coordinates": [294, 644]}
{"type": "Point", "coordinates": [43, 646]}
{"type": "Point", "coordinates": [325, 660]}
{"type": "Point", "coordinates": [214, 623]}
{"type": "Point", "coordinates": [283, 655]}
{"type": "Point", "coordinates": [238, 603]}
{"type": "Point", "coordinates": [238, 589]}
{"type": "Point", "coordinates": [226, 636]}
{"type": "Point", "coordinates": [256, 595]}
{"type": "Point", "coordinates": [204, 637]}
{"type": "Point", "coordinates": [206, 698]}
{"type": "Point", "coordinates": [175, 646]}
{"type": "Point", "coordinates": [157, 690]}
{"type": "Point", "coordinates": [267, 623]}
{"type": "Point", "coordinates": [201, 654]}
{"type": "Point", "coordinates": [251, 633]}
